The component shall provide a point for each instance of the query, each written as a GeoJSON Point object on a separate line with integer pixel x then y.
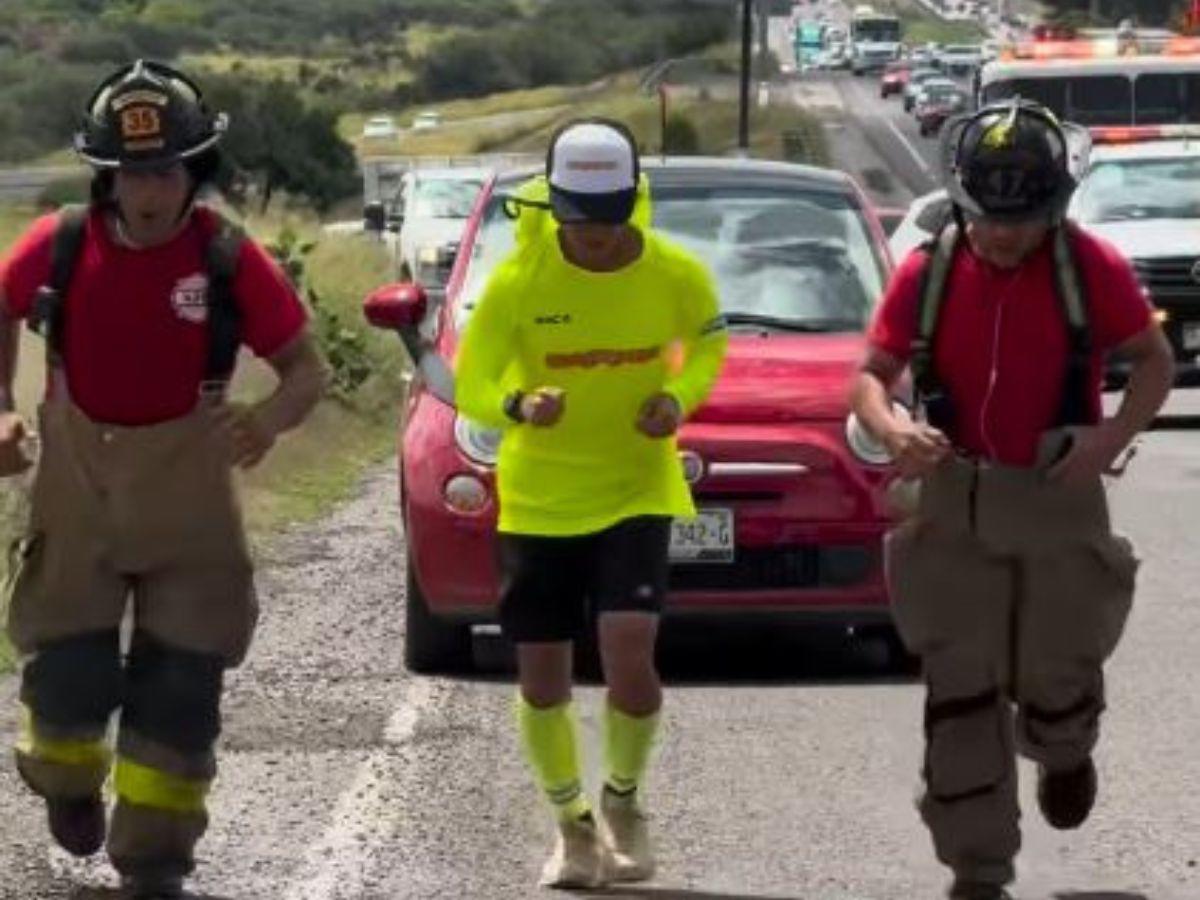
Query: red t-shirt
{"type": "Point", "coordinates": [136, 337]}
{"type": "Point", "coordinates": [1001, 346]}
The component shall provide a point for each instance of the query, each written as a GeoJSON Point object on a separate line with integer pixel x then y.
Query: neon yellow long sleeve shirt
{"type": "Point", "coordinates": [609, 341]}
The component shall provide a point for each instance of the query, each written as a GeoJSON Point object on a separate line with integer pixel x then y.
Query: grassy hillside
{"type": "Point", "coordinates": [350, 56]}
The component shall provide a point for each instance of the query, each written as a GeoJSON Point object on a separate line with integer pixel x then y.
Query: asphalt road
{"type": "Point", "coordinates": [787, 768]}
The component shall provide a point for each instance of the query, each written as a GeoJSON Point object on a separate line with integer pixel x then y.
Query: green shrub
{"type": "Point", "coordinates": [350, 267]}
{"type": "Point", "coordinates": [681, 137]}
{"type": "Point", "coordinates": [63, 191]}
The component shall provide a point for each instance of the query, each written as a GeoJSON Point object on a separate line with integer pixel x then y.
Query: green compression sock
{"type": "Point", "coordinates": [548, 737]}
{"type": "Point", "coordinates": [627, 744]}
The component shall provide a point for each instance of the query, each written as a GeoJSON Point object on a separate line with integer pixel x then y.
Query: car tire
{"type": "Point", "coordinates": [899, 660]}
{"type": "Point", "coordinates": [432, 645]}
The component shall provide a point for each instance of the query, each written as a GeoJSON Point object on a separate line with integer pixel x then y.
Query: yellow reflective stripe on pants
{"type": "Point", "coordinates": [144, 786]}
{"type": "Point", "coordinates": [89, 754]}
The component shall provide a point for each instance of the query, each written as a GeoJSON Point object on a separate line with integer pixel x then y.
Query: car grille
{"type": "Point", "coordinates": [778, 568]}
{"type": "Point", "coordinates": [1168, 274]}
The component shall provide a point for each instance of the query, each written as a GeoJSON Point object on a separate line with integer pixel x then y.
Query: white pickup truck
{"type": "Point", "coordinates": [959, 59]}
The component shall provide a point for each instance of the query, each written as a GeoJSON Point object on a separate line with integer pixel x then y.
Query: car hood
{"type": "Point", "coordinates": [784, 378]}
{"type": "Point", "coordinates": [1149, 239]}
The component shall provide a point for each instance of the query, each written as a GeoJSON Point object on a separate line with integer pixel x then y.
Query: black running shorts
{"type": "Point", "coordinates": [550, 585]}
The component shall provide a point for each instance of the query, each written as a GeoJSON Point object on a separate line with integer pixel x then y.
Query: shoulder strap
{"type": "Point", "coordinates": [1072, 294]}
{"type": "Point", "coordinates": [930, 392]}
{"type": "Point", "coordinates": [224, 315]}
{"type": "Point", "coordinates": [47, 316]}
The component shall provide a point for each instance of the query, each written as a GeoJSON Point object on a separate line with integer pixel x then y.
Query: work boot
{"type": "Point", "coordinates": [1066, 798]}
{"type": "Point", "coordinates": [77, 823]}
{"type": "Point", "coordinates": [977, 890]}
{"type": "Point", "coordinates": [580, 858]}
{"type": "Point", "coordinates": [152, 887]}
{"type": "Point", "coordinates": [623, 826]}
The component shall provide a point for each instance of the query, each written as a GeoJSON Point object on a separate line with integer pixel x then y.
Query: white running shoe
{"type": "Point", "coordinates": [625, 830]}
{"type": "Point", "coordinates": [580, 858]}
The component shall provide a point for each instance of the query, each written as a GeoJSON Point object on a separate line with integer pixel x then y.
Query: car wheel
{"type": "Point", "coordinates": [895, 653]}
{"type": "Point", "coordinates": [431, 645]}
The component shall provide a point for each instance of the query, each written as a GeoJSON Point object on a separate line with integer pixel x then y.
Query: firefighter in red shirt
{"type": "Point", "coordinates": [144, 298]}
{"type": "Point", "coordinates": [1006, 578]}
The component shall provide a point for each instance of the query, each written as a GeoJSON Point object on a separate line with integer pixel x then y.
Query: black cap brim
{"type": "Point", "coordinates": [615, 208]}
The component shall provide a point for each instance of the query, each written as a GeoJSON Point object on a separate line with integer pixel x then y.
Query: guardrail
{"type": "Point", "coordinates": [27, 183]}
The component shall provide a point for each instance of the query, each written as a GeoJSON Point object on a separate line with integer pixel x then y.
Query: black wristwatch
{"type": "Point", "coordinates": [512, 406]}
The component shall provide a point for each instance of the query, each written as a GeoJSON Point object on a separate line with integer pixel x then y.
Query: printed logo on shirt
{"type": "Point", "coordinates": [189, 298]}
{"type": "Point", "coordinates": [589, 359]}
{"type": "Point", "coordinates": [553, 319]}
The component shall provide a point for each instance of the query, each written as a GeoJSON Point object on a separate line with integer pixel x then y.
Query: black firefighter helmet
{"type": "Point", "coordinates": [1009, 161]}
{"type": "Point", "coordinates": [147, 115]}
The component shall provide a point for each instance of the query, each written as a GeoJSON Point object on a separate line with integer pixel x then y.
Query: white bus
{"type": "Point", "coordinates": [1088, 82]}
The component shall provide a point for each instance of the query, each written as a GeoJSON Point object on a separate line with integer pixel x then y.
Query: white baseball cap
{"type": "Point", "coordinates": [592, 168]}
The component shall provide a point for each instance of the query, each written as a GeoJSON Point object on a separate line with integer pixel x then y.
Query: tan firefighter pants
{"type": "Point", "coordinates": [149, 515]}
{"type": "Point", "coordinates": [1014, 591]}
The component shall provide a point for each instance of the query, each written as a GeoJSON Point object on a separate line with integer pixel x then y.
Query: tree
{"type": "Point", "coordinates": [468, 66]}
{"type": "Point", "coordinates": [284, 144]}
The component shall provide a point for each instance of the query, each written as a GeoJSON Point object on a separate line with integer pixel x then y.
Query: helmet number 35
{"type": "Point", "coordinates": [140, 122]}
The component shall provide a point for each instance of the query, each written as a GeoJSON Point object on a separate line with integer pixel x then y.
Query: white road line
{"type": "Point", "coordinates": [913, 152]}
{"type": "Point", "coordinates": [335, 866]}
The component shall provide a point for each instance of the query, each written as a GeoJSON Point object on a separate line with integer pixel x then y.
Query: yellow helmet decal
{"type": "Point", "coordinates": [999, 135]}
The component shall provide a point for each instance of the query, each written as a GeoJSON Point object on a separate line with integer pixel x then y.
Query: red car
{"type": "Point", "coordinates": [938, 100]}
{"type": "Point", "coordinates": [894, 78]}
{"type": "Point", "coordinates": [791, 516]}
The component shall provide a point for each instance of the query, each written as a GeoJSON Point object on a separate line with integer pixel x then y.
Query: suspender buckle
{"type": "Point", "coordinates": [213, 391]}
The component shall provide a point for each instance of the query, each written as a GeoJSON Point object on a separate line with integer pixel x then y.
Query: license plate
{"type": "Point", "coordinates": [706, 538]}
{"type": "Point", "coordinates": [1191, 335]}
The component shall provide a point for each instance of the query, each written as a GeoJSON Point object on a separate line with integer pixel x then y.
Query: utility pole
{"type": "Point", "coordinates": [744, 100]}
{"type": "Point", "coordinates": [764, 37]}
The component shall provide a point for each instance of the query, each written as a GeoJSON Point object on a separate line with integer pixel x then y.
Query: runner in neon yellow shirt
{"type": "Point", "coordinates": [590, 344]}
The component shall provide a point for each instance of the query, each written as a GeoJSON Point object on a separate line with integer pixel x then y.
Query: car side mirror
{"type": "Point", "coordinates": [394, 222]}
{"type": "Point", "coordinates": [396, 306]}
{"type": "Point", "coordinates": [401, 308]}
{"type": "Point", "coordinates": [374, 217]}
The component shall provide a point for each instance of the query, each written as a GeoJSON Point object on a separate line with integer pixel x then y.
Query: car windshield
{"type": "Point", "coordinates": [445, 198]}
{"type": "Point", "coordinates": [1115, 190]}
{"type": "Point", "coordinates": [881, 30]}
{"type": "Point", "coordinates": [792, 258]}
{"type": "Point", "coordinates": [941, 91]}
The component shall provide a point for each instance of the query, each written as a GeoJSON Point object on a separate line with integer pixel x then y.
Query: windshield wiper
{"type": "Point", "coordinates": [807, 326]}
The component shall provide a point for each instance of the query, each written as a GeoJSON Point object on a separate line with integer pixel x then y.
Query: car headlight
{"type": "Point", "coordinates": [480, 445]}
{"type": "Point", "coordinates": [864, 445]}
